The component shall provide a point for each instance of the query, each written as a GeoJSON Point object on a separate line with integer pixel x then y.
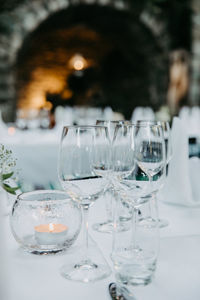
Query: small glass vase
{"type": "Point", "coordinates": [46, 221]}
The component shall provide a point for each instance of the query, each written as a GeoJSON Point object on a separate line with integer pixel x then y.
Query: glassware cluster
{"type": "Point", "coordinates": [84, 158]}
{"type": "Point", "coordinates": [104, 158]}
{"type": "Point", "coordinates": [127, 161]}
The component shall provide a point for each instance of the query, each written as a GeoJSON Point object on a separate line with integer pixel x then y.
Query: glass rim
{"type": "Point", "coordinates": [135, 125]}
{"type": "Point", "coordinates": [146, 121]}
{"type": "Point", "coordinates": [159, 122]}
{"type": "Point", "coordinates": [114, 121]}
{"type": "Point", "coordinates": [25, 196]}
{"type": "Point", "coordinates": [83, 126]}
{"type": "Point", "coordinates": [149, 124]}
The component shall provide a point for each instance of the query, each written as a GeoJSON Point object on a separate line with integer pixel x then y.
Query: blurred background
{"type": "Point", "coordinates": [75, 61]}
{"type": "Point", "coordinates": [98, 53]}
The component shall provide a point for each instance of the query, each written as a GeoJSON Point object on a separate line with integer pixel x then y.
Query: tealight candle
{"type": "Point", "coordinates": [11, 130]}
{"type": "Point", "coordinates": [50, 234]}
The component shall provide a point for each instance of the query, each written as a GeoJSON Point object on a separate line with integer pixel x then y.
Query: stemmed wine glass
{"type": "Point", "coordinates": [107, 225]}
{"type": "Point", "coordinates": [134, 252]}
{"type": "Point", "coordinates": [124, 161]}
{"type": "Point", "coordinates": [150, 154]}
{"type": "Point", "coordinates": [83, 151]}
{"type": "Point", "coordinates": [168, 151]}
{"type": "Point", "coordinates": [168, 143]}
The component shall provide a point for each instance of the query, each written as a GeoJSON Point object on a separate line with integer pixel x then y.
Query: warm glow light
{"type": "Point", "coordinates": [66, 94]}
{"type": "Point", "coordinates": [78, 62]}
{"type": "Point", "coordinates": [47, 68]}
{"type": "Point", "coordinates": [48, 105]}
{"type": "Point", "coordinates": [11, 130]}
{"type": "Point", "coordinates": [78, 65]}
{"type": "Point", "coordinates": [44, 81]}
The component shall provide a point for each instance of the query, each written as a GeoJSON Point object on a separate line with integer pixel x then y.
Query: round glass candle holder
{"type": "Point", "coordinates": [46, 221]}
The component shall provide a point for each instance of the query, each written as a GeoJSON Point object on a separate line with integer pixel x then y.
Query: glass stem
{"type": "Point", "coordinates": [155, 204]}
{"type": "Point", "coordinates": [109, 204]}
{"type": "Point", "coordinates": [150, 210]}
{"type": "Point", "coordinates": [85, 210]}
{"type": "Point", "coordinates": [134, 221]}
{"type": "Point", "coordinates": [115, 218]}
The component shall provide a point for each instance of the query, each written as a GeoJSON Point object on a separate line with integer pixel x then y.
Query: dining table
{"type": "Point", "coordinates": [36, 154]}
{"type": "Point", "coordinates": [29, 276]}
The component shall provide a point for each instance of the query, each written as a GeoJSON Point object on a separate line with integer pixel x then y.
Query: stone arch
{"type": "Point", "coordinates": [24, 19]}
{"type": "Point", "coordinates": [18, 24]}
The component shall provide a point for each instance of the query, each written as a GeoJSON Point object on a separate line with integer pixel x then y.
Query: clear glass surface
{"type": "Point", "coordinates": [122, 164]}
{"type": "Point", "coordinates": [168, 142]}
{"type": "Point", "coordinates": [130, 193]}
{"type": "Point", "coordinates": [84, 158]}
{"type": "Point", "coordinates": [151, 149]}
{"type": "Point", "coordinates": [123, 152]}
{"type": "Point", "coordinates": [46, 208]}
{"type": "Point", "coordinates": [135, 251]}
{"type": "Point", "coordinates": [169, 152]}
{"type": "Point", "coordinates": [107, 224]}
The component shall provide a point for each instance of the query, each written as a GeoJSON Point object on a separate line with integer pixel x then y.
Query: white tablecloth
{"type": "Point", "coordinates": [37, 164]}
{"type": "Point", "coordinates": [177, 277]}
{"type": "Point", "coordinates": [37, 155]}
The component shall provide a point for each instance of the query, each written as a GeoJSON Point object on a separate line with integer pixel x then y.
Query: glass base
{"type": "Point", "coordinates": [150, 222]}
{"type": "Point", "coordinates": [107, 227]}
{"type": "Point", "coordinates": [135, 274]}
{"type": "Point", "coordinates": [85, 271]}
{"type": "Point", "coordinates": [45, 252]}
{"type": "Point", "coordinates": [31, 245]}
{"type": "Point", "coordinates": [162, 223]}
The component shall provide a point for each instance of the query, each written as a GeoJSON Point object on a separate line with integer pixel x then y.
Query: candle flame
{"type": "Point", "coordinates": [11, 130]}
{"type": "Point", "coordinates": [51, 227]}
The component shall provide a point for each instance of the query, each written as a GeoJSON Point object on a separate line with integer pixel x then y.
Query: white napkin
{"type": "Point", "coordinates": [181, 186]}
{"type": "Point", "coordinates": [191, 117]}
{"type": "Point", "coordinates": [68, 116]}
{"type": "Point", "coordinates": [108, 113]}
{"type": "Point", "coordinates": [143, 113]}
{"type": "Point", "coordinates": [194, 171]}
{"type": "Point", "coordinates": [59, 114]}
{"type": "Point", "coordinates": [195, 121]}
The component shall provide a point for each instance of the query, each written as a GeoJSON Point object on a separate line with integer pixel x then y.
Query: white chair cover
{"type": "Point", "coordinates": [143, 113]}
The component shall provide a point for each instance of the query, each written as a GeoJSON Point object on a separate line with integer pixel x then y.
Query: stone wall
{"type": "Point", "coordinates": [23, 20]}
{"type": "Point", "coordinates": [17, 24]}
{"type": "Point", "coordinates": [195, 59]}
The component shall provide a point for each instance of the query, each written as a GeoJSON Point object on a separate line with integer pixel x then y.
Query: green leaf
{"type": "Point", "coordinates": [8, 175]}
{"type": "Point", "coordinates": [9, 189]}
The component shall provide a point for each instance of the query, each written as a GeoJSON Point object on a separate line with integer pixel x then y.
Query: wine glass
{"type": "Point", "coordinates": [124, 161]}
{"type": "Point", "coordinates": [168, 143]}
{"type": "Point", "coordinates": [168, 150]}
{"type": "Point", "coordinates": [107, 225]}
{"type": "Point", "coordinates": [150, 154]}
{"type": "Point", "coordinates": [122, 164]}
{"type": "Point", "coordinates": [134, 255]}
{"type": "Point", "coordinates": [83, 150]}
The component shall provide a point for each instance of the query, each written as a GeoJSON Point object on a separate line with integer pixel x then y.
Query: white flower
{"type": "Point", "coordinates": [7, 168]}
